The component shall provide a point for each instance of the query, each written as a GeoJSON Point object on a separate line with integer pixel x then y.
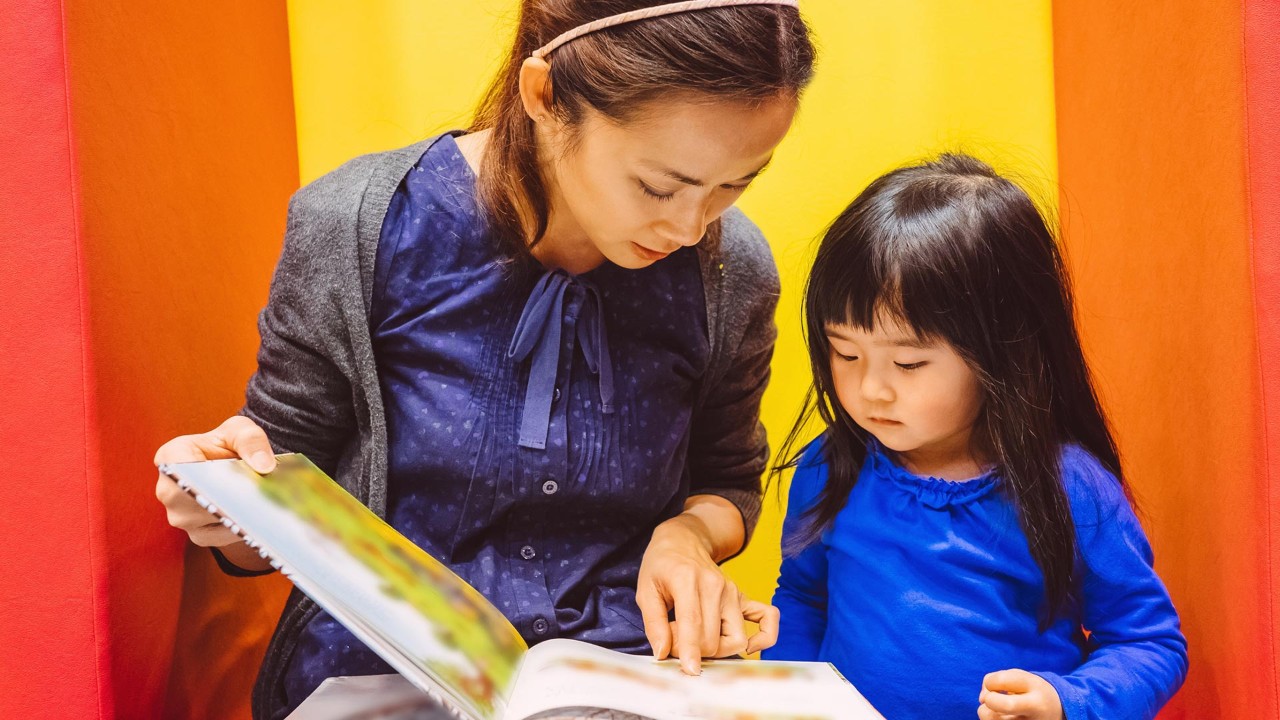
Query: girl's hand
{"type": "Point", "coordinates": [237, 437]}
{"type": "Point", "coordinates": [1018, 695]}
{"type": "Point", "coordinates": [678, 572]}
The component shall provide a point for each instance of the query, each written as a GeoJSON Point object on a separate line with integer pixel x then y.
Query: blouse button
{"type": "Point", "coordinates": [540, 626]}
{"type": "Point", "coordinates": [550, 487]}
{"type": "Point", "coordinates": [528, 553]}
{"type": "Point", "coordinates": [555, 395]}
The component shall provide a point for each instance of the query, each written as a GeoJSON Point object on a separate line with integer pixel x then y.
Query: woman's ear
{"type": "Point", "coordinates": [535, 89]}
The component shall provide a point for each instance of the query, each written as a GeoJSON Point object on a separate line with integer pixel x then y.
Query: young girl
{"type": "Point", "coordinates": [961, 537]}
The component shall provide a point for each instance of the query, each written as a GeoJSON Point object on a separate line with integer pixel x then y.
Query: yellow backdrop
{"type": "Point", "coordinates": [896, 81]}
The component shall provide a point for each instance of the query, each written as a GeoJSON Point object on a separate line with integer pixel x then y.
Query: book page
{"type": "Point", "coordinates": [369, 697]}
{"type": "Point", "coordinates": [562, 674]}
{"type": "Point", "coordinates": [425, 621]}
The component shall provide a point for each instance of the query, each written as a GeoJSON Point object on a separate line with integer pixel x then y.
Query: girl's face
{"type": "Point", "coordinates": [634, 194]}
{"type": "Point", "coordinates": [918, 398]}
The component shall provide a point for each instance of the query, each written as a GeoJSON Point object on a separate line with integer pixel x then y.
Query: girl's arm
{"type": "Point", "coordinates": [801, 597]}
{"type": "Point", "coordinates": [1138, 655]}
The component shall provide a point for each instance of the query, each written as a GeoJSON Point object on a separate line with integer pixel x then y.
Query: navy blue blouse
{"type": "Point", "coordinates": [538, 422]}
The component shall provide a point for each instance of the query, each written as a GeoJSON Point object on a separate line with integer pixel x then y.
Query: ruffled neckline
{"type": "Point", "coordinates": [932, 492]}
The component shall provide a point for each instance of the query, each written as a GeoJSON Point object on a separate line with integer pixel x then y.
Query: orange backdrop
{"type": "Point", "coordinates": [182, 120]}
{"type": "Point", "coordinates": [1153, 144]}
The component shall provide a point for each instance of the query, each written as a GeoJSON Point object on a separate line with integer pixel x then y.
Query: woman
{"type": "Point", "coordinates": [538, 348]}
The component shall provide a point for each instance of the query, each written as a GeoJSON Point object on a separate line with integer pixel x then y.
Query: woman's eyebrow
{"type": "Point", "coordinates": [687, 180]}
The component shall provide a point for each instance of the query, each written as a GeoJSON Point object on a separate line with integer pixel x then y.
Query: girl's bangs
{"type": "Point", "coordinates": [900, 276]}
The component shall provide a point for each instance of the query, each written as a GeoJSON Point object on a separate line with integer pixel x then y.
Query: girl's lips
{"type": "Point", "coordinates": [883, 421]}
{"type": "Point", "coordinates": [648, 254]}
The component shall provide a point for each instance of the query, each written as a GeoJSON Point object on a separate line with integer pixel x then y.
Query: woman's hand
{"type": "Point", "coordinates": [237, 437]}
{"type": "Point", "coordinates": [1018, 695]}
{"type": "Point", "coordinates": [678, 572]}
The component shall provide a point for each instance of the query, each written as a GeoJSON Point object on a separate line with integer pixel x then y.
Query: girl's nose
{"type": "Point", "coordinates": [875, 389]}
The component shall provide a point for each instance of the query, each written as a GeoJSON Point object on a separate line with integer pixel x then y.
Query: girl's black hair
{"type": "Point", "coordinates": [962, 255]}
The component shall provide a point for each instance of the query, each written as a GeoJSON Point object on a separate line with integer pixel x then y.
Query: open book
{"type": "Point", "coordinates": [444, 637]}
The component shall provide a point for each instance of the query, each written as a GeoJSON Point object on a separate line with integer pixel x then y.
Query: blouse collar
{"type": "Point", "coordinates": [933, 492]}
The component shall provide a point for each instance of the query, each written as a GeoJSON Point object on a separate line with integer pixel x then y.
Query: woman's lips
{"type": "Point", "coordinates": [647, 254]}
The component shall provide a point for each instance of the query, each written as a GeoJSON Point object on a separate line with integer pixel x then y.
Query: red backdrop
{"type": "Point", "coordinates": [148, 155]}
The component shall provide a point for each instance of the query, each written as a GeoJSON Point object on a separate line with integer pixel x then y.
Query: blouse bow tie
{"type": "Point", "coordinates": [538, 335]}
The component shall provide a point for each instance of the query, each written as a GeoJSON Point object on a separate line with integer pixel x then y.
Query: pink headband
{"type": "Point", "coordinates": [645, 14]}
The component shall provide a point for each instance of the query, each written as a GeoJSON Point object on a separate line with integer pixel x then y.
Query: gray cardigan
{"type": "Point", "coordinates": [316, 390]}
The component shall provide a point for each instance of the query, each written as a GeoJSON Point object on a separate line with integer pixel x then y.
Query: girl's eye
{"type": "Point", "coordinates": [911, 366]}
{"type": "Point", "coordinates": [846, 358]}
{"type": "Point", "coordinates": [650, 192]}
{"type": "Point", "coordinates": [735, 188]}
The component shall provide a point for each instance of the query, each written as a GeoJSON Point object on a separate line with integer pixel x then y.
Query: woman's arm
{"type": "Point", "coordinates": [298, 400]}
{"type": "Point", "coordinates": [301, 393]}
{"type": "Point", "coordinates": [679, 572]}
{"type": "Point", "coordinates": [728, 447]}
{"type": "Point", "coordinates": [728, 453]}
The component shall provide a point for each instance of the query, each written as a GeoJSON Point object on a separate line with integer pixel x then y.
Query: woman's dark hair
{"type": "Point", "coordinates": [749, 53]}
{"type": "Point", "coordinates": [962, 255]}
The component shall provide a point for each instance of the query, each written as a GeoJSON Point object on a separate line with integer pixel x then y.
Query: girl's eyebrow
{"type": "Point", "coordinates": [901, 341]}
{"type": "Point", "coordinates": [916, 343]}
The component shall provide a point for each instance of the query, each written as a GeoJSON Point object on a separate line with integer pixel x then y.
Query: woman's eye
{"type": "Point", "coordinates": [650, 192]}
{"type": "Point", "coordinates": [911, 366]}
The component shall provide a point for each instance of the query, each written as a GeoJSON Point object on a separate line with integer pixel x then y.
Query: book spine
{"type": "Point", "coordinates": [230, 525]}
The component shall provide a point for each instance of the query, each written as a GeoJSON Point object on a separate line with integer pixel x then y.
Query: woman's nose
{"type": "Point", "coordinates": [685, 235]}
{"type": "Point", "coordinates": [687, 227]}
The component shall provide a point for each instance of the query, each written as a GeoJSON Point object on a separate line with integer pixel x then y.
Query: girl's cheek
{"type": "Point", "coordinates": [840, 378]}
{"type": "Point", "coordinates": [846, 391]}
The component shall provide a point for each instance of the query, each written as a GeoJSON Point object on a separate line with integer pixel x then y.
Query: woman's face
{"type": "Point", "coordinates": [635, 193]}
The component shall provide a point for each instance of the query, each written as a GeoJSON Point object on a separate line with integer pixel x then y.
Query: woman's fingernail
{"type": "Point", "coordinates": [262, 461]}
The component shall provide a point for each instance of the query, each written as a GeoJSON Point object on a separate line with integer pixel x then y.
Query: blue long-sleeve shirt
{"type": "Point", "coordinates": [922, 586]}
